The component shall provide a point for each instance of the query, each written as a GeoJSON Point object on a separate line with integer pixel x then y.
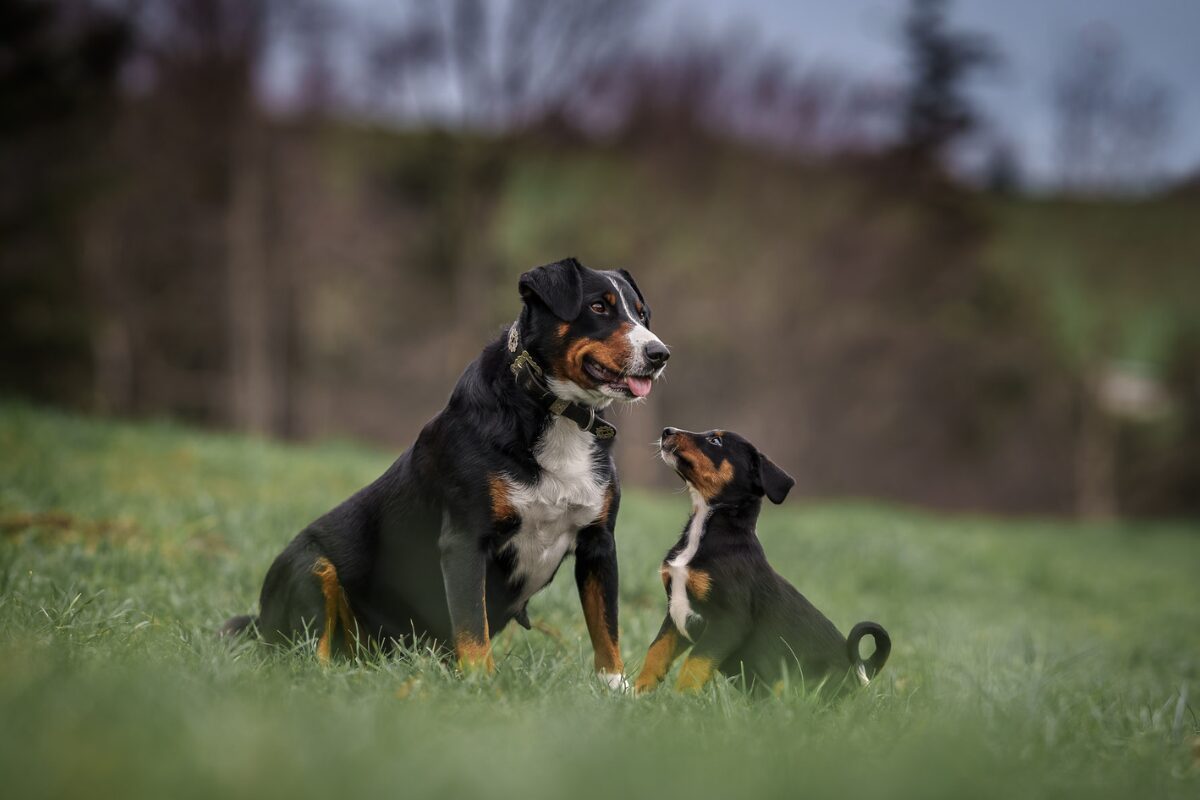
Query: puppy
{"type": "Point", "coordinates": [738, 615]}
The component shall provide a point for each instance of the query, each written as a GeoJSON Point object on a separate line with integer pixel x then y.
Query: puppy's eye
{"type": "Point", "coordinates": [599, 307]}
{"type": "Point", "coordinates": [715, 441]}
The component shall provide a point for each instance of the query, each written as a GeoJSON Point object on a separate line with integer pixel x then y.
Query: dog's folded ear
{"type": "Point", "coordinates": [775, 482]}
{"type": "Point", "coordinates": [558, 285]}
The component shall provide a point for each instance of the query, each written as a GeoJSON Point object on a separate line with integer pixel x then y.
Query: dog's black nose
{"type": "Point", "coordinates": [668, 432]}
{"type": "Point", "coordinates": [657, 353]}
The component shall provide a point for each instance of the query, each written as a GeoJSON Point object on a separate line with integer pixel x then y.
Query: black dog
{"type": "Point", "coordinates": [723, 596]}
{"type": "Point", "coordinates": [476, 517]}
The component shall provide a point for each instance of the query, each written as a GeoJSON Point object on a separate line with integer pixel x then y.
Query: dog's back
{"type": "Point", "coordinates": [792, 636]}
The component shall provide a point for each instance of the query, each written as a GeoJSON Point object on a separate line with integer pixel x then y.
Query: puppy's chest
{"type": "Point", "coordinates": [567, 495]}
{"type": "Point", "coordinates": [685, 583]}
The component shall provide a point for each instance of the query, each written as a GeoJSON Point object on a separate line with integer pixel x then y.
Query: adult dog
{"type": "Point", "coordinates": [476, 517]}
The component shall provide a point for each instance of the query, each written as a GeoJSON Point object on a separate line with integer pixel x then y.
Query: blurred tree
{"type": "Point", "coordinates": [209, 301]}
{"type": "Point", "coordinates": [937, 112]}
{"type": "Point", "coordinates": [495, 65]}
{"type": "Point", "coordinates": [59, 67]}
{"type": "Point", "coordinates": [1111, 126]}
{"type": "Point", "coordinates": [1002, 169]}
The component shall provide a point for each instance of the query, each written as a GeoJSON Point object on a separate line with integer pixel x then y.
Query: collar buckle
{"type": "Point", "coordinates": [525, 361]}
{"type": "Point", "coordinates": [604, 431]}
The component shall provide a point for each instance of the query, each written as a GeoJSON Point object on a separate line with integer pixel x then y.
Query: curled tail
{"type": "Point", "coordinates": [866, 670]}
{"type": "Point", "coordinates": [235, 626]}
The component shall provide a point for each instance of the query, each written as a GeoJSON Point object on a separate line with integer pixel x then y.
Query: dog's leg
{"type": "Point", "coordinates": [464, 573]}
{"type": "Point", "coordinates": [596, 577]}
{"type": "Point", "coordinates": [719, 640]}
{"type": "Point", "coordinates": [665, 648]}
{"type": "Point", "coordinates": [331, 590]}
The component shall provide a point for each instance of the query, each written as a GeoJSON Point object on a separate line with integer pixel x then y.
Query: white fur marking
{"type": "Point", "coordinates": [573, 392]}
{"type": "Point", "coordinates": [679, 605]}
{"type": "Point", "coordinates": [639, 335]}
{"type": "Point", "coordinates": [614, 680]}
{"type": "Point", "coordinates": [566, 497]}
{"type": "Point", "coordinates": [861, 672]}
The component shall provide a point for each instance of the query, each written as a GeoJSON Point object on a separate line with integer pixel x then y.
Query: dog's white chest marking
{"type": "Point", "coordinates": [566, 497]}
{"type": "Point", "coordinates": [678, 605]}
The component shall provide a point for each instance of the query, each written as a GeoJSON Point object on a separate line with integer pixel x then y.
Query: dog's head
{"type": "Point", "coordinates": [723, 467]}
{"type": "Point", "coordinates": [590, 331]}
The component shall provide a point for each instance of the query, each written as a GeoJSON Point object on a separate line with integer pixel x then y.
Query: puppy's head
{"type": "Point", "coordinates": [590, 330]}
{"type": "Point", "coordinates": [723, 467]}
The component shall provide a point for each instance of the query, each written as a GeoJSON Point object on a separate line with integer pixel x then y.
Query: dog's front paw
{"type": "Point", "coordinates": [614, 680]}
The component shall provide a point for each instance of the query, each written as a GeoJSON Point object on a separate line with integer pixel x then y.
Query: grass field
{"type": "Point", "coordinates": [1032, 659]}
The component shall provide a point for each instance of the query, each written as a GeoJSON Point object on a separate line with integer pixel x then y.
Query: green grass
{"type": "Point", "coordinates": [1032, 659]}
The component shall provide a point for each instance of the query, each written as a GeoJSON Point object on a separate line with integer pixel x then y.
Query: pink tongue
{"type": "Point", "coordinates": [639, 386]}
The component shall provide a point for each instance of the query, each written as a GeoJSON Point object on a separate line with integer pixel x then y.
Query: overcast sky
{"type": "Point", "coordinates": [1161, 39]}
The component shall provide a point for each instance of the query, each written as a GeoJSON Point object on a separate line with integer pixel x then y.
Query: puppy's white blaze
{"type": "Point", "coordinates": [679, 606]}
{"type": "Point", "coordinates": [861, 672]}
{"type": "Point", "coordinates": [567, 496]}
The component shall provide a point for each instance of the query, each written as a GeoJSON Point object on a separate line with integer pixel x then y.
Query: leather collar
{"type": "Point", "coordinates": [530, 377]}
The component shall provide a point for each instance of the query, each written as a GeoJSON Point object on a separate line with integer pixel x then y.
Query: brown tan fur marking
{"type": "Point", "coordinates": [324, 570]}
{"type": "Point", "coordinates": [659, 658]}
{"type": "Point", "coordinates": [696, 671]}
{"type": "Point", "coordinates": [473, 654]}
{"type": "Point", "coordinates": [699, 584]}
{"type": "Point", "coordinates": [605, 509]}
{"type": "Point", "coordinates": [707, 477]}
{"type": "Point", "coordinates": [502, 507]}
{"type": "Point", "coordinates": [611, 353]}
{"type": "Point", "coordinates": [607, 652]}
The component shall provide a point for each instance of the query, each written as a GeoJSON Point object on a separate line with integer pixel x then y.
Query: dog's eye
{"type": "Point", "coordinates": [599, 307]}
{"type": "Point", "coordinates": [715, 441]}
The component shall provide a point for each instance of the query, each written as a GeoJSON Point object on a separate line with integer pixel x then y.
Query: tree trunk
{"type": "Point", "coordinates": [1096, 462]}
{"type": "Point", "coordinates": [250, 319]}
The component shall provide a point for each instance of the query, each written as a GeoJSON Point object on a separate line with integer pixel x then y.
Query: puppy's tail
{"type": "Point", "coordinates": [236, 626]}
{"type": "Point", "coordinates": [868, 669]}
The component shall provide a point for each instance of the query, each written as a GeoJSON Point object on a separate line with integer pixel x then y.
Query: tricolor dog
{"type": "Point", "coordinates": [724, 601]}
{"type": "Point", "coordinates": [514, 475]}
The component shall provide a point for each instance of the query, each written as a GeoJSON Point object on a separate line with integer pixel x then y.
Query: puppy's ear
{"type": "Point", "coordinates": [624, 273]}
{"type": "Point", "coordinates": [558, 285]}
{"type": "Point", "coordinates": [775, 482]}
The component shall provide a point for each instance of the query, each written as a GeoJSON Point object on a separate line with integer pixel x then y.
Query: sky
{"type": "Point", "coordinates": [1161, 39]}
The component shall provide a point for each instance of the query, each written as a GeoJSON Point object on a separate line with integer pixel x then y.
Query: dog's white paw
{"type": "Point", "coordinates": [615, 680]}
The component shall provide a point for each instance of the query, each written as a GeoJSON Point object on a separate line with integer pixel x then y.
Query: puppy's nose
{"type": "Point", "coordinates": [657, 353]}
{"type": "Point", "coordinates": [668, 432]}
